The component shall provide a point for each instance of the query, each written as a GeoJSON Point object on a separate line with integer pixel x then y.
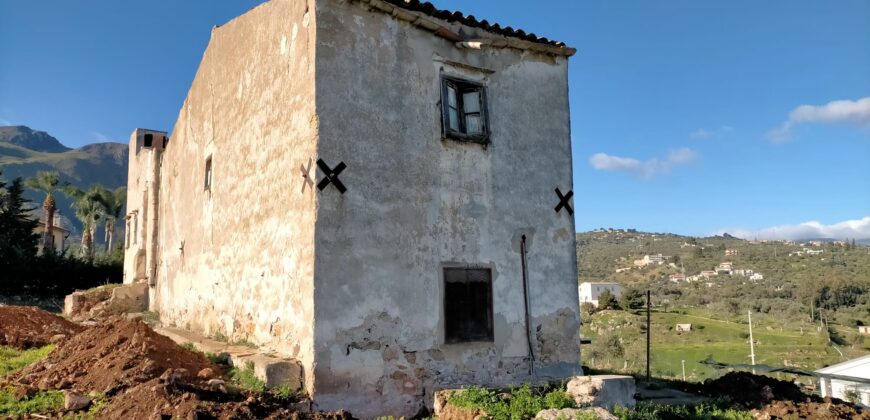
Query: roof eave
{"type": "Point", "coordinates": [431, 24]}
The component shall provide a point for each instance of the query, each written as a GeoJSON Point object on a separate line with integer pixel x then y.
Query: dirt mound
{"type": "Point", "coordinates": [117, 354]}
{"type": "Point", "coordinates": [753, 391]}
{"type": "Point", "coordinates": [825, 409]}
{"type": "Point", "coordinates": [165, 397]}
{"type": "Point", "coordinates": [24, 327]}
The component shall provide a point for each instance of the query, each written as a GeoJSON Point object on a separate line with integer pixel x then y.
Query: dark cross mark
{"type": "Point", "coordinates": [331, 175]}
{"type": "Point", "coordinates": [563, 201]}
{"type": "Point", "coordinates": [306, 178]}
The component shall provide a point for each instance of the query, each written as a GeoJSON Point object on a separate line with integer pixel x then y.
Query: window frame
{"type": "Point", "coordinates": [208, 179]}
{"type": "Point", "coordinates": [490, 337]}
{"type": "Point", "coordinates": [463, 86]}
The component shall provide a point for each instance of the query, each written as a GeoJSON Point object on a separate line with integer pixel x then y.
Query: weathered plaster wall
{"type": "Point", "coordinates": [416, 203]}
{"type": "Point", "coordinates": [142, 177]}
{"type": "Point", "coordinates": [238, 259]}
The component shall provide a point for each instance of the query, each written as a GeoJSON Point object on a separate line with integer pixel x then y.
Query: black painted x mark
{"type": "Point", "coordinates": [564, 201]}
{"type": "Point", "coordinates": [331, 176]}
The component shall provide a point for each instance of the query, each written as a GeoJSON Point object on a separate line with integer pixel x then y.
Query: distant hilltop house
{"type": "Point", "coordinates": [709, 273]}
{"type": "Point", "coordinates": [679, 277]}
{"type": "Point", "coordinates": [590, 291]}
{"type": "Point", "coordinates": [847, 381]}
{"type": "Point", "coordinates": [864, 329]}
{"type": "Point", "coordinates": [731, 252]}
{"type": "Point", "coordinates": [725, 267]}
{"type": "Point", "coordinates": [379, 190]}
{"type": "Point", "coordinates": [756, 277]}
{"type": "Point", "coordinates": [746, 272]}
{"type": "Point", "coordinates": [813, 251]}
{"type": "Point", "coordinates": [658, 259]}
{"type": "Point", "coordinates": [684, 327]}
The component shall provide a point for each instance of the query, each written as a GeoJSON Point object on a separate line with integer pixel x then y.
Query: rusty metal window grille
{"type": "Point", "coordinates": [208, 173]}
{"type": "Point", "coordinates": [467, 305]}
{"type": "Point", "coordinates": [464, 110]}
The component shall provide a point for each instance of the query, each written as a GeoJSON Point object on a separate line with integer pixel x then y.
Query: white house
{"type": "Point", "coordinates": [658, 259]}
{"type": "Point", "coordinates": [590, 291]}
{"type": "Point", "coordinates": [835, 380]}
{"type": "Point", "coordinates": [756, 277]}
{"type": "Point", "coordinates": [725, 267]}
{"type": "Point", "coordinates": [379, 191]}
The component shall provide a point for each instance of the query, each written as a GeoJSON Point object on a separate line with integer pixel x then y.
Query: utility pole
{"type": "Point", "coordinates": [751, 342]}
{"type": "Point", "coordinates": [648, 332]}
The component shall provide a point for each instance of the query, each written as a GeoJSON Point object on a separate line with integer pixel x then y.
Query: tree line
{"type": "Point", "coordinates": [24, 271]}
{"type": "Point", "coordinates": [91, 207]}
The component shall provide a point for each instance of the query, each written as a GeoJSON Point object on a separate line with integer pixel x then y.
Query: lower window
{"type": "Point", "coordinates": [467, 305]}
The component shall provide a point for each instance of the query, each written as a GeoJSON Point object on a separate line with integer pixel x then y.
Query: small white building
{"type": "Point", "coordinates": [590, 291]}
{"type": "Point", "coordinates": [657, 259]}
{"type": "Point", "coordinates": [864, 329]}
{"type": "Point", "coordinates": [756, 277]}
{"type": "Point", "coordinates": [684, 327]}
{"type": "Point", "coordinates": [835, 380]}
{"type": "Point", "coordinates": [709, 273]}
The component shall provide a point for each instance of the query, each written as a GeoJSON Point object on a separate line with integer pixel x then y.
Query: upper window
{"type": "Point", "coordinates": [464, 110]}
{"type": "Point", "coordinates": [148, 141]}
{"type": "Point", "coordinates": [208, 172]}
{"type": "Point", "coordinates": [467, 305]}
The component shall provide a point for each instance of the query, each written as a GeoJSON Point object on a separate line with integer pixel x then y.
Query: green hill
{"type": "Point", "coordinates": [809, 299]}
{"type": "Point", "coordinates": [24, 152]}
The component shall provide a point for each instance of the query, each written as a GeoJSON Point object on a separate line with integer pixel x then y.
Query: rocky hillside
{"type": "Point", "coordinates": [24, 152]}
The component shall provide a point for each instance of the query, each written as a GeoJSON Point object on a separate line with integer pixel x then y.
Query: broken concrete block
{"type": "Point", "coordinates": [603, 391]}
{"type": "Point", "coordinates": [575, 413]}
{"type": "Point", "coordinates": [104, 302]}
{"type": "Point", "coordinates": [77, 304]}
{"type": "Point", "coordinates": [73, 401]}
{"type": "Point", "coordinates": [276, 372]}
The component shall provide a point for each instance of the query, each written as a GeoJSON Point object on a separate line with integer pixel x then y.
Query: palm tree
{"type": "Point", "coordinates": [114, 203]}
{"type": "Point", "coordinates": [89, 207]}
{"type": "Point", "coordinates": [47, 182]}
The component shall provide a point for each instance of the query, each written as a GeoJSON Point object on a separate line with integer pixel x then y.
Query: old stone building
{"type": "Point", "coordinates": [376, 188]}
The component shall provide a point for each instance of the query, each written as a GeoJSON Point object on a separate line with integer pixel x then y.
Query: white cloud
{"type": "Point", "coordinates": [700, 134]}
{"type": "Point", "coordinates": [703, 133]}
{"type": "Point", "coordinates": [646, 169]}
{"type": "Point", "coordinates": [851, 229]}
{"type": "Point", "coordinates": [835, 112]}
{"type": "Point", "coordinates": [100, 137]}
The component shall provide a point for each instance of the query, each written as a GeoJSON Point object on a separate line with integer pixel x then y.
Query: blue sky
{"type": "Point", "coordinates": [677, 107]}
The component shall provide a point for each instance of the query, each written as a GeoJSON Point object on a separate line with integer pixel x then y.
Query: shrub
{"type": "Point", "coordinates": [246, 379]}
{"type": "Point", "coordinates": [521, 403]}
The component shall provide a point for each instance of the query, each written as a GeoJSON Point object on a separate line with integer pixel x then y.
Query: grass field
{"type": "Point", "coordinates": [722, 338]}
{"type": "Point", "coordinates": [12, 360]}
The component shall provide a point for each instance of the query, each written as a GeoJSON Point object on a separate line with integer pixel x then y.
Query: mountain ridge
{"type": "Point", "coordinates": [24, 152]}
{"type": "Point", "coordinates": [38, 141]}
